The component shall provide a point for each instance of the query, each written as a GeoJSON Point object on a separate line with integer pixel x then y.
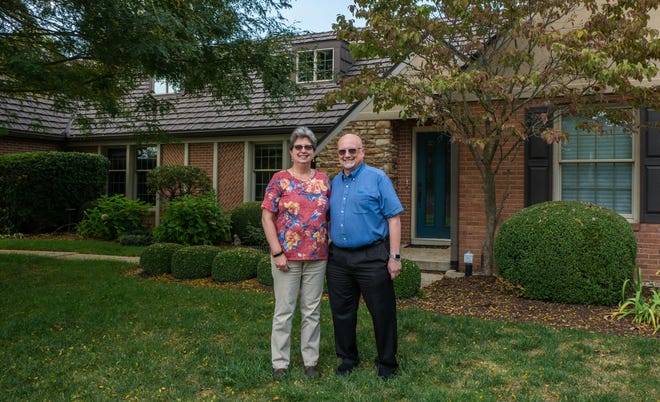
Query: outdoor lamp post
{"type": "Point", "coordinates": [467, 259]}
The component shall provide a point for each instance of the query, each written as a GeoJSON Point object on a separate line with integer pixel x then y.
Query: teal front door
{"type": "Point", "coordinates": [433, 185]}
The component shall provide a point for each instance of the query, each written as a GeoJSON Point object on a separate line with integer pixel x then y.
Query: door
{"type": "Point", "coordinates": [433, 186]}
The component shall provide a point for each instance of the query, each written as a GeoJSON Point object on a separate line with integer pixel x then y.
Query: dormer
{"type": "Point", "coordinates": [321, 58]}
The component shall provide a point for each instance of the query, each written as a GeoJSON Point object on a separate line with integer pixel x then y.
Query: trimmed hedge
{"type": "Point", "coordinates": [264, 273]}
{"type": "Point", "coordinates": [193, 262]}
{"type": "Point", "coordinates": [567, 252]}
{"type": "Point", "coordinates": [43, 191]}
{"type": "Point", "coordinates": [156, 259]}
{"type": "Point", "coordinates": [409, 280]}
{"type": "Point", "coordinates": [236, 264]}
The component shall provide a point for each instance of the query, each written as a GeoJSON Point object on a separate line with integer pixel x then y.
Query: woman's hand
{"type": "Point", "coordinates": [281, 263]}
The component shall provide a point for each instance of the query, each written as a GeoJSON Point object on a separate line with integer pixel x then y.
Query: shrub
{"type": "Point", "coordinates": [157, 258]}
{"type": "Point", "coordinates": [43, 191]}
{"type": "Point", "coordinates": [193, 221]}
{"type": "Point", "coordinates": [246, 223]}
{"type": "Point", "coordinates": [236, 264]}
{"type": "Point", "coordinates": [566, 252]}
{"type": "Point", "coordinates": [171, 182]}
{"type": "Point", "coordinates": [409, 280]}
{"type": "Point", "coordinates": [138, 238]}
{"type": "Point", "coordinates": [193, 262]}
{"type": "Point", "coordinates": [113, 216]}
{"type": "Point", "coordinates": [264, 273]}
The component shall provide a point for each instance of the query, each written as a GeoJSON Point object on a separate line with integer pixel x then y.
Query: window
{"type": "Point", "coordinates": [145, 162]}
{"type": "Point", "coordinates": [130, 179]}
{"type": "Point", "coordinates": [164, 87]}
{"type": "Point", "coordinates": [315, 65]}
{"type": "Point", "coordinates": [597, 168]}
{"type": "Point", "coordinates": [117, 173]}
{"type": "Point", "coordinates": [267, 161]}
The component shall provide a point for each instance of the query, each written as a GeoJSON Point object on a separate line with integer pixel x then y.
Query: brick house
{"type": "Point", "coordinates": [437, 182]}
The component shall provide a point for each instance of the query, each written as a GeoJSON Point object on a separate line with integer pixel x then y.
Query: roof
{"type": "Point", "coordinates": [195, 115]}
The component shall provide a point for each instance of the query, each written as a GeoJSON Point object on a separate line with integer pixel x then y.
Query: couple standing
{"type": "Point", "coordinates": [363, 258]}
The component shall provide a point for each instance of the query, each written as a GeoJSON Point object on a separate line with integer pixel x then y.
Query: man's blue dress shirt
{"type": "Point", "coordinates": [360, 205]}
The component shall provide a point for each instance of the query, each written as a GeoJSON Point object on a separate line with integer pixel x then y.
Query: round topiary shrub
{"type": "Point", "coordinates": [264, 273]}
{"type": "Point", "coordinates": [193, 262]}
{"type": "Point", "coordinates": [567, 252]}
{"type": "Point", "coordinates": [408, 282]}
{"type": "Point", "coordinates": [236, 264]}
{"type": "Point", "coordinates": [246, 224]}
{"type": "Point", "coordinates": [157, 258]}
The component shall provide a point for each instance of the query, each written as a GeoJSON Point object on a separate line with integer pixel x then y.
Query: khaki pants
{"type": "Point", "coordinates": [304, 281]}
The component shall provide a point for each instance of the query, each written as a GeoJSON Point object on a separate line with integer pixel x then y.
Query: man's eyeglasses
{"type": "Point", "coordinates": [351, 151]}
{"type": "Point", "coordinates": [298, 147]}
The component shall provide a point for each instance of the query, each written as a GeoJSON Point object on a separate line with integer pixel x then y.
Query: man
{"type": "Point", "coordinates": [365, 230]}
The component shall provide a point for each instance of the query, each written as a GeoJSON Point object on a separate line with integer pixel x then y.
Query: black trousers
{"type": "Point", "coordinates": [352, 273]}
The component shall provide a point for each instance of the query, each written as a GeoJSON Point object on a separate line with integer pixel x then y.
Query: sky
{"type": "Point", "coordinates": [316, 15]}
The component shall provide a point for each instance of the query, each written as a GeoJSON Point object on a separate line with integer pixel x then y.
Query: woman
{"type": "Point", "coordinates": [294, 221]}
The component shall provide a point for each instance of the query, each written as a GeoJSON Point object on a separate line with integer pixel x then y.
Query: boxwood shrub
{"type": "Point", "coordinates": [567, 252]}
{"type": "Point", "coordinates": [193, 262]}
{"type": "Point", "coordinates": [264, 273]}
{"type": "Point", "coordinates": [408, 283]}
{"type": "Point", "coordinates": [156, 259]}
{"type": "Point", "coordinates": [236, 264]}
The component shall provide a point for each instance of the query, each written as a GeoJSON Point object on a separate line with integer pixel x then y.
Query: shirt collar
{"type": "Point", "coordinates": [354, 173]}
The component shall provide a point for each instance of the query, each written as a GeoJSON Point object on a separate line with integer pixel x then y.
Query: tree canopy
{"type": "Point", "coordinates": [473, 66]}
{"type": "Point", "coordinates": [92, 54]}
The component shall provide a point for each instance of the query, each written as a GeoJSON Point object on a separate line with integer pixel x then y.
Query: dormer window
{"type": "Point", "coordinates": [315, 65]}
{"type": "Point", "coordinates": [163, 87]}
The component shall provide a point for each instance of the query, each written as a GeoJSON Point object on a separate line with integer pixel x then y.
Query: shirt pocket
{"type": "Point", "coordinates": [364, 203]}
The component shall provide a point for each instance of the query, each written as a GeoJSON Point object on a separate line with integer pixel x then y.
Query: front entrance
{"type": "Point", "coordinates": [433, 186]}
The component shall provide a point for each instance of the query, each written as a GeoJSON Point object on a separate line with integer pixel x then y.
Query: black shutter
{"type": "Point", "coordinates": [650, 166]}
{"type": "Point", "coordinates": [538, 159]}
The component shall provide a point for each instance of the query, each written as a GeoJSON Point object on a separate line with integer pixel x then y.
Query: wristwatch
{"type": "Point", "coordinates": [395, 257]}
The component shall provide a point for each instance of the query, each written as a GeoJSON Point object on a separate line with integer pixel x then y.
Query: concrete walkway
{"type": "Point", "coordinates": [74, 256]}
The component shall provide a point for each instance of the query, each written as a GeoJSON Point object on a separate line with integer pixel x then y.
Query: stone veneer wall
{"type": "Point", "coordinates": [384, 145]}
{"type": "Point", "coordinates": [378, 142]}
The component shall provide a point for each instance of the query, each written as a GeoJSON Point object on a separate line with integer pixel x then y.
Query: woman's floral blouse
{"type": "Point", "coordinates": [300, 207]}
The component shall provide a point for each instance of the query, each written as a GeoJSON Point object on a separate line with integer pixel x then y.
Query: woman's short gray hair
{"type": "Point", "coordinates": [302, 132]}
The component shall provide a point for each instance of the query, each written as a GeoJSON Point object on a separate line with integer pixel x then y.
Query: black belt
{"type": "Point", "coordinates": [366, 246]}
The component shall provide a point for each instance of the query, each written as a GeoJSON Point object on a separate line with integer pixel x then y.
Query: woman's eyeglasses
{"type": "Point", "coordinates": [299, 147]}
{"type": "Point", "coordinates": [351, 151]}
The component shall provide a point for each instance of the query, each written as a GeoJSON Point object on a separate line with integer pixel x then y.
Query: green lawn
{"type": "Point", "coordinates": [63, 244]}
{"type": "Point", "coordinates": [83, 330]}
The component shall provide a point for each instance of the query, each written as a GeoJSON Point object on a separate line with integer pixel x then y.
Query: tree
{"type": "Point", "coordinates": [473, 66]}
{"type": "Point", "coordinates": [92, 54]}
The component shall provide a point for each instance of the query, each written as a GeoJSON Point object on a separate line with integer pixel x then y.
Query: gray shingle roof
{"type": "Point", "coordinates": [194, 116]}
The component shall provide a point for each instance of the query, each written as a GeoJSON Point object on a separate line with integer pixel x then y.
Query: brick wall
{"type": "Point", "coordinates": [172, 154]}
{"type": "Point", "coordinates": [648, 252]}
{"type": "Point", "coordinates": [230, 174]}
{"type": "Point", "coordinates": [12, 145]}
{"type": "Point", "coordinates": [201, 156]}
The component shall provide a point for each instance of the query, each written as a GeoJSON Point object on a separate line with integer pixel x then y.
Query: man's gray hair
{"type": "Point", "coordinates": [302, 132]}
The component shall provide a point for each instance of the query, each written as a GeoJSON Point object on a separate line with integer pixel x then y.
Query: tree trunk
{"type": "Point", "coordinates": [490, 206]}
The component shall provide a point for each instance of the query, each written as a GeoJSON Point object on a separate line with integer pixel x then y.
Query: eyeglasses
{"type": "Point", "coordinates": [351, 151]}
{"type": "Point", "coordinates": [298, 147]}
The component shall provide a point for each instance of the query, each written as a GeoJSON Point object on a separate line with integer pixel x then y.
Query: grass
{"type": "Point", "coordinates": [65, 244]}
{"type": "Point", "coordinates": [71, 331]}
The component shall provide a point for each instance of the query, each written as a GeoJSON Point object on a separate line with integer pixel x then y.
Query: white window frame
{"type": "Point", "coordinates": [315, 52]}
{"type": "Point", "coordinates": [130, 169]}
{"type": "Point", "coordinates": [632, 217]}
{"type": "Point", "coordinates": [252, 165]}
{"type": "Point", "coordinates": [161, 86]}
